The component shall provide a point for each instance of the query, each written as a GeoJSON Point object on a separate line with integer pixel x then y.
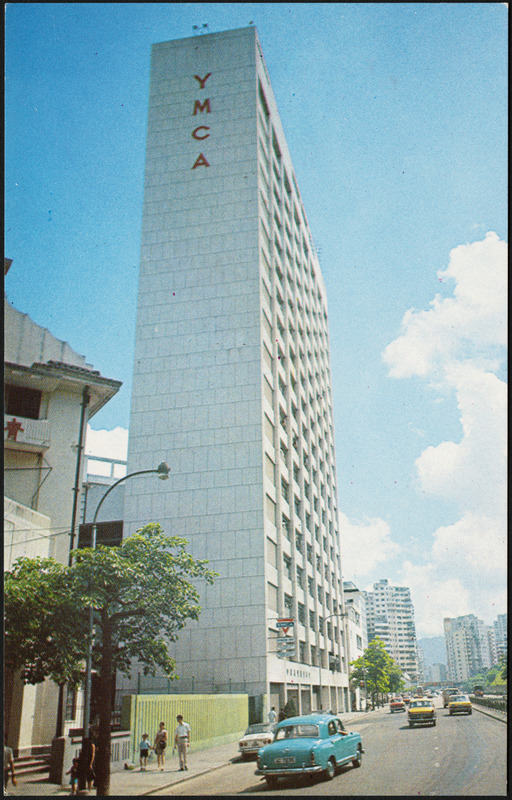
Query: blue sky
{"type": "Point", "coordinates": [396, 120]}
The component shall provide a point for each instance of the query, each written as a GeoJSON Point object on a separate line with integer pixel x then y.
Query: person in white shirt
{"type": "Point", "coordinates": [182, 740]}
{"type": "Point", "coordinates": [272, 716]}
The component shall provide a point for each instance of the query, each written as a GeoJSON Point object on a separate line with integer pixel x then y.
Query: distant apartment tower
{"type": "Point", "coordinates": [232, 381]}
{"type": "Point", "coordinates": [390, 617]}
{"type": "Point", "coordinates": [467, 647]}
{"type": "Point", "coordinates": [500, 635]}
{"type": "Point", "coordinates": [435, 673]}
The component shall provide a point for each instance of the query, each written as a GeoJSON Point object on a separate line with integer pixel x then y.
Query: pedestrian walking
{"type": "Point", "coordinates": [160, 745]}
{"type": "Point", "coordinates": [144, 748]}
{"type": "Point", "coordinates": [272, 716]}
{"type": "Point", "coordinates": [8, 766]}
{"type": "Point", "coordinates": [282, 715]}
{"type": "Point", "coordinates": [73, 773]}
{"type": "Point", "coordinates": [182, 741]}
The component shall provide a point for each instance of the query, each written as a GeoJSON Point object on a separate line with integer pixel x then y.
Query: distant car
{"type": "Point", "coordinates": [308, 745]}
{"type": "Point", "coordinates": [478, 691]}
{"type": "Point", "coordinates": [447, 693]}
{"type": "Point", "coordinates": [256, 736]}
{"type": "Point", "coordinates": [421, 710]}
{"type": "Point", "coordinates": [397, 704]}
{"type": "Point", "coordinates": [406, 699]}
{"type": "Point", "coordinates": [460, 704]}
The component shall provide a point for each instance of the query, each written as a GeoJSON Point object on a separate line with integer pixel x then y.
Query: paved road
{"type": "Point", "coordinates": [463, 755]}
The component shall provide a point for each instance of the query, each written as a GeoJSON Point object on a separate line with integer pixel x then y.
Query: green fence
{"type": "Point", "coordinates": [213, 719]}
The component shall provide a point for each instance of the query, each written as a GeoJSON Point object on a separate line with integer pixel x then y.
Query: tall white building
{"type": "Point", "coordinates": [390, 617]}
{"type": "Point", "coordinates": [232, 379]}
{"type": "Point", "coordinates": [500, 635]}
{"type": "Point", "coordinates": [467, 647]}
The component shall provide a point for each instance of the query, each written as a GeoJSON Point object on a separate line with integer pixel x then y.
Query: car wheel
{"type": "Point", "coordinates": [358, 760]}
{"type": "Point", "coordinates": [470, 712]}
{"type": "Point", "coordinates": [330, 769]}
{"type": "Point", "coordinates": [271, 781]}
{"type": "Point", "coordinates": [411, 724]}
{"type": "Point", "coordinates": [451, 713]}
{"type": "Point", "coordinates": [433, 723]}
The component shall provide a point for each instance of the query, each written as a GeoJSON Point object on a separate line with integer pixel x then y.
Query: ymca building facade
{"type": "Point", "coordinates": [232, 382]}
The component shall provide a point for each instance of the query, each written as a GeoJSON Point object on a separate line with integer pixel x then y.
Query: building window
{"type": "Point", "coordinates": [109, 534]}
{"type": "Point", "coordinates": [300, 577]}
{"type": "Point", "coordinates": [271, 553]}
{"type": "Point", "coordinates": [287, 566]}
{"type": "Point", "coordinates": [71, 703]}
{"type": "Point", "coordinates": [21, 401]}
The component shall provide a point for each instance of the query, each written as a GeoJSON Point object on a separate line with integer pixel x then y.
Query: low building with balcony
{"type": "Point", "coordinates": [50, 393]}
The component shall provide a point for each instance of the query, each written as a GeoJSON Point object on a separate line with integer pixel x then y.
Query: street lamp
{"type": "Point", "coordinates": [341, 614]}
{"type": "Point", "coordinates": [163, 473]}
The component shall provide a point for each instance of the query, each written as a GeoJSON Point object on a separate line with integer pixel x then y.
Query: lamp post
{"type": "Point", "coordinates": [163, 473]}
{"type": "Point", "coordinates": [341, 614]}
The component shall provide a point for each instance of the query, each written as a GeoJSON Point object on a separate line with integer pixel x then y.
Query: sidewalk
{"type": "Point", "coordinates": [134, 783]}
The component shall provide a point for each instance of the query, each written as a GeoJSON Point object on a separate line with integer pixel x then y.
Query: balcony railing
{"type": "Point", "coordinates": [26, 434]}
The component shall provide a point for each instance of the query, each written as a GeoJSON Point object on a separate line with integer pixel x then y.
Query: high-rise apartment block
{"type": "Point", "coordinates": [390, 617]}
{"type": "Point", "coordinates": [232, 379]}
{"type": "Point", "coordinates": [467, 647]}
{"type": "Point", "coordinates": [500, 635]}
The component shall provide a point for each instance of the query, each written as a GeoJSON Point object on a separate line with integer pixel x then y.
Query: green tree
{"type": "Point", "coordinates": [395, 678]}
{"type": "Point", "coordinates": [372, 669]}
{"type": "Point", "coordinates": [141, 595]}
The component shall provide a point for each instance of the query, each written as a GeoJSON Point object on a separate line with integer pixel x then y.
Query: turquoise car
{"type": "Point", "coordinates": [309, 745]}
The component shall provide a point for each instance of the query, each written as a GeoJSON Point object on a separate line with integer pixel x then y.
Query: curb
{"type": "Point", "coordinates": [493, 716]}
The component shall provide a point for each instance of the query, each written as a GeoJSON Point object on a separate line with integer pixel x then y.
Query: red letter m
{"type": "Point", "coordinates": [204, 107]}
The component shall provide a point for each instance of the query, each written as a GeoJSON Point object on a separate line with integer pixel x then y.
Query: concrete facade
{"type": "Point", "coordinates": [467, 646]}
{"type": "Point", "coordinates": [390, 616]}
{"type": "Point", "coordinates": [232, 377]}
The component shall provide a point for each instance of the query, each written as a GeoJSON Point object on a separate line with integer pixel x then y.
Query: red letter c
{"type": "Point", "coordinates": [201, 127]}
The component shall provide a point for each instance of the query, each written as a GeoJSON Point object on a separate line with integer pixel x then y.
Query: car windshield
{"type": "Point", "coordinates": [457, 698]}
{"type": "Point", "coordinates": [419, 703]}
{"type": "Point", "coordinates": [300, 730]}
{"type": "Point", "coordinates": [261, 727]}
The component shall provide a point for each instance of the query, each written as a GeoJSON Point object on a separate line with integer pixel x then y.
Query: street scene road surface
{"type": "Point", "coordinates": [462, 755]}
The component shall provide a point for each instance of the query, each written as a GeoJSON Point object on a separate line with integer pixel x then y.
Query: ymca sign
{"type": "Point", "coordinates": [202, 131]}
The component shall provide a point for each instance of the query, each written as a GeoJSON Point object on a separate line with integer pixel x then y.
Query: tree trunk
{"type": "Point", "coordinates": [102, 764]}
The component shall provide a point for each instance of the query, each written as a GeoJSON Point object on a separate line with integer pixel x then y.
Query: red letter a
{"type": "Point", "coordinates": [201, 162]}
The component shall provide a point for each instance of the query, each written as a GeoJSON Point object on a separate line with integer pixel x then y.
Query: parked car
{"type": "Point", "coordinates": [421, 710]}
{"type": "Point", "coordinates": [256, 736]}
{"type": "Point", "coordinates": [397, 704]}
{"type": "Point", "coordinates": [447, 693]}
{"type": "Point", "coordinates": [308, 745]}
{"type": "Point", "coordinates": [460, 704]}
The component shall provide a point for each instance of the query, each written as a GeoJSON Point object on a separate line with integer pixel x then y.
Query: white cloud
{"type": "Point", "coordinates": [434, 598]}
{"type": "Point", "coordinates": [364, 546]}
{"type": "Point", "coordinates": [472, 472]}
{"type": "Point", "coordinates": [471, 322]}
{"type": "Point", "coordinates": [458, 345]}
{"type": "Point", "coordinates": [107, 444]}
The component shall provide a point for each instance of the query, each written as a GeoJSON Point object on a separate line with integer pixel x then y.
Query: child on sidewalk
{"type": "Point", "coordinates": [73, 773]}
{"type": "Point", "coordinates": [144, 748]}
